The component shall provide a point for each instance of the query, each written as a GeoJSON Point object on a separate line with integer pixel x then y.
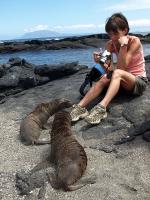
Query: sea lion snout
{"type": "Point", "coordinates": [65, 102]}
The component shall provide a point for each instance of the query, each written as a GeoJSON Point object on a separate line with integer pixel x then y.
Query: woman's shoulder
{"type": "Point", "coordinates": [134, 39]}
{"type": "Point", "coordinates": [134, 43]}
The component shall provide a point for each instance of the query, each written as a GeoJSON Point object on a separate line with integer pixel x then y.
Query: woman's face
{"type": "Point", "coordinates": [114, 36]}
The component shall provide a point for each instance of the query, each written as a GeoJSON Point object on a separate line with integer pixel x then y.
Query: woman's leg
{"type": "Point", "coordinates": [94, 91]}
{"type": "Point", "coordinates": [119, 77]}
{"type": "Point", "coordinates": [79, 110]}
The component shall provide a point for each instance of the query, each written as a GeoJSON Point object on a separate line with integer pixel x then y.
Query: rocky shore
{"type": "Point", "coordinates": [122, 171]}
{"type": "Point", "coordinates": [70, 42]}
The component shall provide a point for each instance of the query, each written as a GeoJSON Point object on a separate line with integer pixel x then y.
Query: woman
{"type": "Point", "coordinates": [129, 72]}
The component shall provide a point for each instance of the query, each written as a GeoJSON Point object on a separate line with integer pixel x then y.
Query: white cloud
{"type": "Point", "coordinates": [130, 5]}
{"type": "Point", "coordinates": [76, 27]}
{"type": "Point", "coordinates": [37, 28]}
{"type": "Point", "coordinates": [66, 28]}
{"type": "Point", "coordinates": [140, 22]}
{"type": "Point", "coordinates": [101, 25]}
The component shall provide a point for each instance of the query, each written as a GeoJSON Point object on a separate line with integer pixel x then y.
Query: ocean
{"type": "Point", "coordinates": [84, 56]}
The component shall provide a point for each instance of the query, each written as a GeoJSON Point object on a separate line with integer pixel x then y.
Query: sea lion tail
{"type": "Point", "coordinates": [89, 180]}
{"type": "Point", "coordinates": [42, 142]}
{"type": "Point", "coordinates": [42, 165]}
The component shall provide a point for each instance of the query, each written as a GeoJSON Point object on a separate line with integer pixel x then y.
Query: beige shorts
{"type": "Point", "coordinates": [140, 85]}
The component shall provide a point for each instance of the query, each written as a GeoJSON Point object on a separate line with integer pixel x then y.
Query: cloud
{"type": "Point", "coordinates": [37, 28]}
{"type": "Point", "coordinates": [140, 22]}
{"type": "Point", "coordinates": [101, 25]}
{"type": "Point", "coordinates": [76, 27]}
{"type": "Point", "coordinates": [65, 28]}
{"type": "Point", "coordinates": [137, 23]}
{"type": "Point", "coordinates": [130, 5]}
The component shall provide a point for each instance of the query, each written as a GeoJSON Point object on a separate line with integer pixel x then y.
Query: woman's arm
{"type": "Point", "coordinates": [109, 47]}
{"type": "Point", "coordinates": [127, 51]}
{"type": "Point", "coordinates": [97, 56]}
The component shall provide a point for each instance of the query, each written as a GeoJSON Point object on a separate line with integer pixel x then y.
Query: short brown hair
{"type": "Point", "coordinates": [116, 22]}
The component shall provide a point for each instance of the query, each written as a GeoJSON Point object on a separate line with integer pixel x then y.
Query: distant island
{"type": "Point", "coordinates": [41, 34]}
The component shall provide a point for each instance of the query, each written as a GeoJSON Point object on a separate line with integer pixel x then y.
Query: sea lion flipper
{"type": "Point", "coordinates": [78, 186]}
{"type": "Point", "coordinates": [47, 126]}
{"type": "Point", "coordinates": [42, 142]}
{"type": "Point", "coordinates": [53, 180]}
{"type": "Point", "coordinates": [83, 182]}
{"type": "Point", "coordinates": [42, 165]}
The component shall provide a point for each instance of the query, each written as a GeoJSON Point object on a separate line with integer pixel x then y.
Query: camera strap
{"type": "Point", "coordinates": [94, 75]}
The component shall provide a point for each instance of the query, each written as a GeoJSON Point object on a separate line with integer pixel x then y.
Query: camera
{"type": "Point", "coordinates": [106, 55]}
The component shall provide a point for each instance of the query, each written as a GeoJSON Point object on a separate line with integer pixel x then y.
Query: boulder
{"type": "Point", "coordinates": [18, 73]}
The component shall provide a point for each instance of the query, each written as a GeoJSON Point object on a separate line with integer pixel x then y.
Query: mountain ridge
{"type": "Point", "coordinates": [41, 34]}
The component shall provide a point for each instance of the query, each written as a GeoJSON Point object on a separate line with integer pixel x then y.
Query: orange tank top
{"type": "Point", "coordinates": [137, 64]}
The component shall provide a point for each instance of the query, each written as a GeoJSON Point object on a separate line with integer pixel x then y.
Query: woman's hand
{"type": "Point", "coordinates": [108, 67]}
{"type": "Point", "coordinates": [96, 56]}
{"type": "Point", "coordinates": [123, 40]}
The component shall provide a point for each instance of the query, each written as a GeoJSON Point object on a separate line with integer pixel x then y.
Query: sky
{"type": "Point", "coordinates": [18, 17]}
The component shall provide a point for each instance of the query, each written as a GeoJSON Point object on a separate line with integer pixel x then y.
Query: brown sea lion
{"type": "Point", "coordinates": [67, 155]}
{"type": "Point", "coordinates": [30, 128]}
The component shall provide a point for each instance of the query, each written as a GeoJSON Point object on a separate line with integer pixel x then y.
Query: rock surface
{"type": "Point", "coordinates": [122, 171]}
{"type": "Point", "coordinates": [17, 75]}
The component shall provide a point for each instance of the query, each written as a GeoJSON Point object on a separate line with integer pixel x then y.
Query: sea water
{"type": "Point", "coordinates": [84, 56]}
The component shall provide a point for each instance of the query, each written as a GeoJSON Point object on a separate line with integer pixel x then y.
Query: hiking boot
{"type": "Point", "coordinates": [78, 112]}
{"type": "Point", "coordinates": [96, 115]}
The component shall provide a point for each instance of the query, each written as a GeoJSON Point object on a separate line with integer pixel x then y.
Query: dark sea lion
{"type": "Point", "coordinates": [67, 155]}
{"type": "Point", "coordinates": [30, 128]}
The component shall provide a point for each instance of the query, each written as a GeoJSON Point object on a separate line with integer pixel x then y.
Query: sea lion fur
{"type": "Point", "coordinates": [67, 155]}
{"type": "Point", "coordinates": [31, 125]}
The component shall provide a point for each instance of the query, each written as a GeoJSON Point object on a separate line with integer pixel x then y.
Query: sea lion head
{"type": "Point", "coordinates": [64, 102]}
{"type": "Point", "coordinates": [41, 108]}
{"type": "Point", "coordinates": [58, 104]}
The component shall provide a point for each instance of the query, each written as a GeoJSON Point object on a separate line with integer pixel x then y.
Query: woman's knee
{"type": "Point", "coordinates": [99, 85]}
{"type": "Point", "coordinates": [104, 81]}
{"type": "Point", "coordinates": [117, 74]}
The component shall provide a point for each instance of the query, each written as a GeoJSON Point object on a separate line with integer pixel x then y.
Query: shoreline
{"type": "Point", "coordinates": [69, 42]}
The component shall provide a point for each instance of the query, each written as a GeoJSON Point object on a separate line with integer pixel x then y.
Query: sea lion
{"type": "Point", "coordinates": [30, 128]}
{"type": "Point", "coordinates": [67, 155]}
